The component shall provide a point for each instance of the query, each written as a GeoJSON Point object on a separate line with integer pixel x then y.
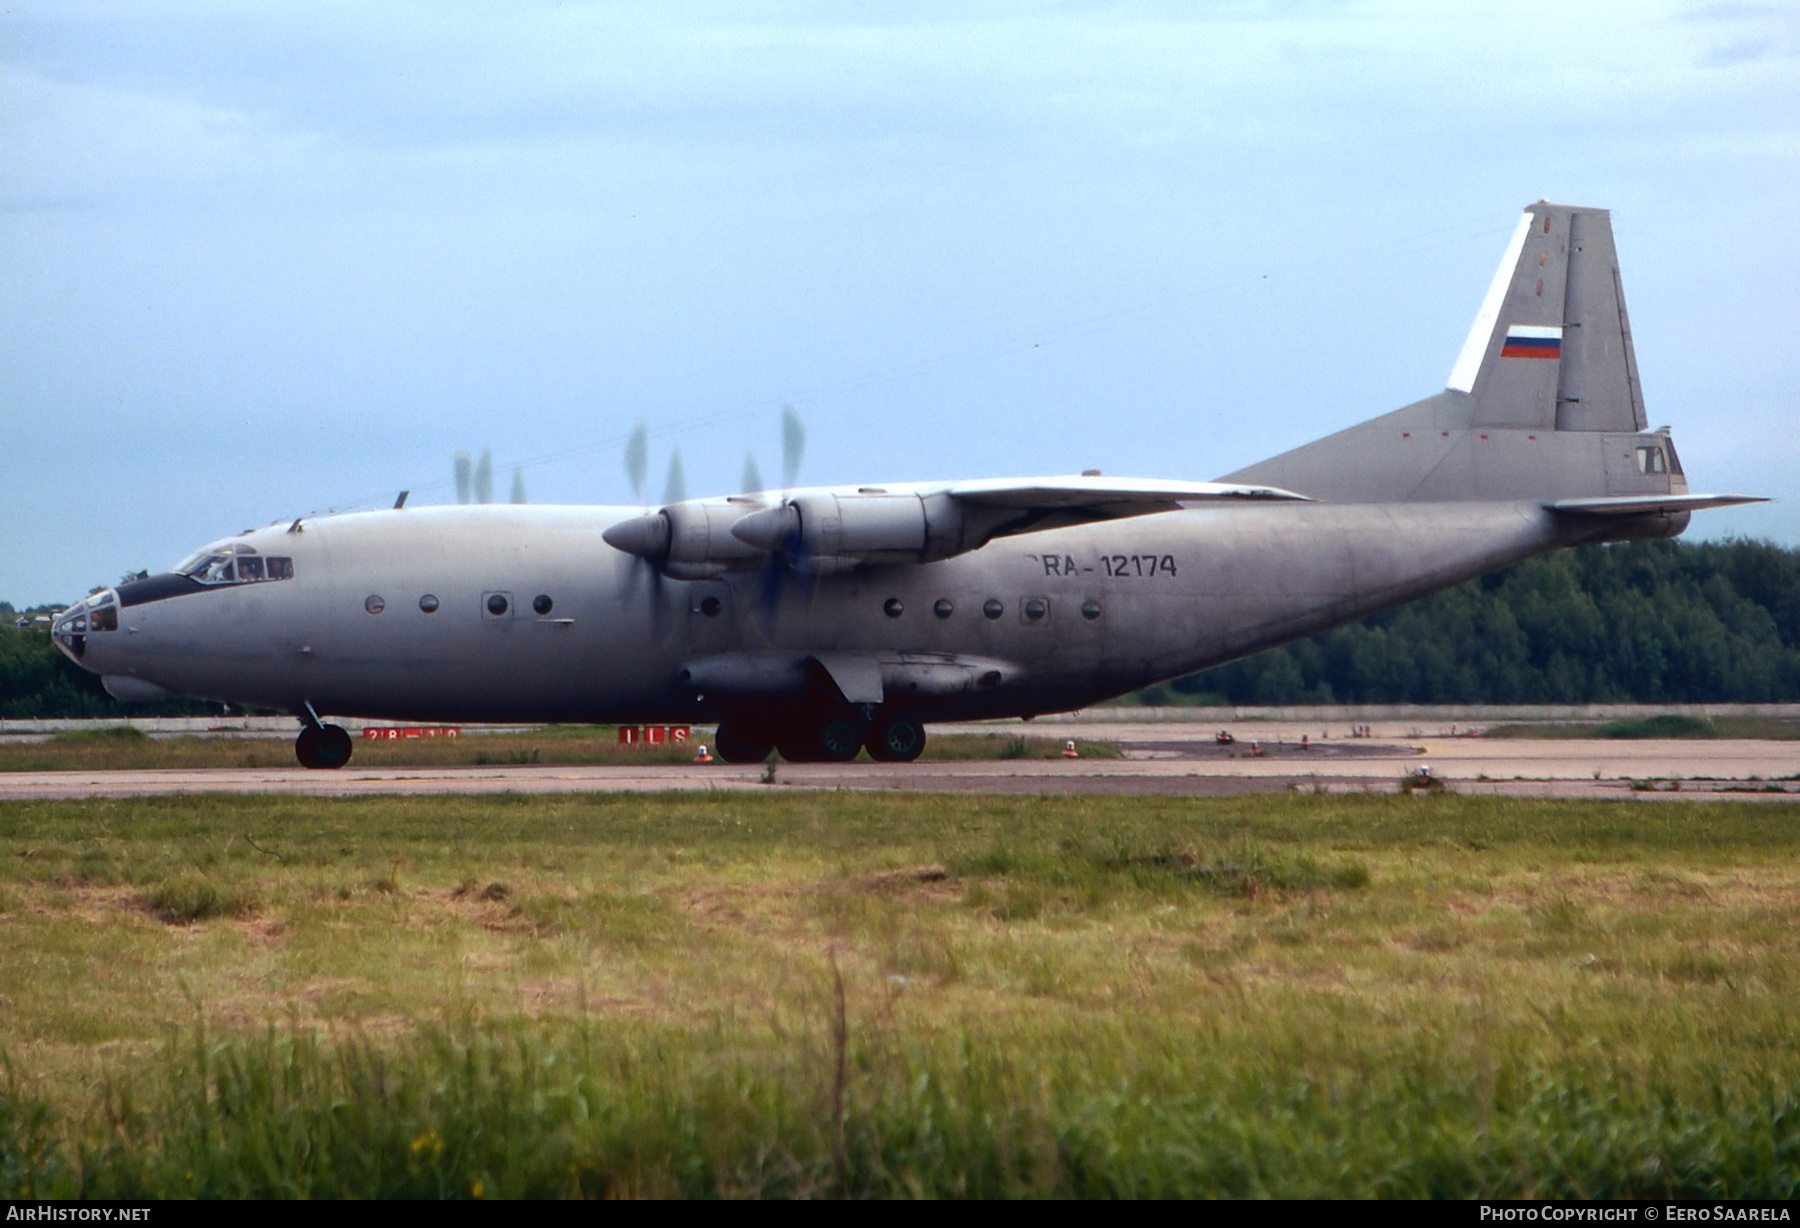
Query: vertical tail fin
{"type": "Point", "coordinates": [1555, 299]}
{"type": "Point", "coordinates": [1543, 402]}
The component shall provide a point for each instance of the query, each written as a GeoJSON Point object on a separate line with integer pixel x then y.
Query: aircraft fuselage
{"type": "Point", "coordinates": [504, 613]}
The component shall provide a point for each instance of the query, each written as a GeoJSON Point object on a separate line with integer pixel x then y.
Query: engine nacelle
{"type": "Point", "coordinates": [690, 541]}
{"type": "Point", "coordinates": [826, 533]}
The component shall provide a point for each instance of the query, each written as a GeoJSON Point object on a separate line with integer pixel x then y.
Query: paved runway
{"type": "Point", "coordinates": [1159, 760]}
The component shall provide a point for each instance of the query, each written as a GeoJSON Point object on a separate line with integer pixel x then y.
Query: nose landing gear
{"type": "Point", "coordinates": [323, 746]}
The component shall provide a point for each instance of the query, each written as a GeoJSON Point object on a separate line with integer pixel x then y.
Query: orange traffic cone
{"type": "Point", "coordinates": [705, 756]}
{"type": "Point", "coordinates": [1069, 751]}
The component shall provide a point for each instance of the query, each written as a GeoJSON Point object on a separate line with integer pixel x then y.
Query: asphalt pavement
{"type": "Point", "coordinates": [1158, 759]}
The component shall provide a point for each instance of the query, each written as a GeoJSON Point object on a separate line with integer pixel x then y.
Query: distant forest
{"type": "Point", "coordinates": [1638, 622]}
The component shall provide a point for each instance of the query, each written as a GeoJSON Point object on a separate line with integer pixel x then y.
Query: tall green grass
{"type": "Point", "coordinates": [1115, 1109]}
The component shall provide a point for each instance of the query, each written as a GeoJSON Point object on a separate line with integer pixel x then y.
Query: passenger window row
{"type": "Point", "coordinates": [497, 604]}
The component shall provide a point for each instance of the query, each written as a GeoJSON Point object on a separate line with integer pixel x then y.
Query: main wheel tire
{"type": "Point", "coordinates": [306, 747]}
{"type": "Point", "coordinates": [738, 746]}
{"type": "Point", "coordinates": [839, 738]}
{"type": "Point", "coordinates": [834, 738]}
{"type": "Point", "coordinates": [897, 739]}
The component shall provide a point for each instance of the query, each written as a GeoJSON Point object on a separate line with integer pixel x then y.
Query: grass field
{"type": "Point", "coordinates": [884, 994]}
{"type": "Point", "coordinates": [1666, 725]}
{"type": "Point", "coordinates": [123, 747]}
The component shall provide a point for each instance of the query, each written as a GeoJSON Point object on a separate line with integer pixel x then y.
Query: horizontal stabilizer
{"type": "Point", "coordinates": [1641, 505]}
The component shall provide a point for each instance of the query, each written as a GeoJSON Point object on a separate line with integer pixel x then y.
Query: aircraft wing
{"type": "Point", "coordinates": [832, 530]}
{"type": "Point", "coordinates": [1007, 507]}
{"type": "Point", "coordinates": [1646, 505]}
{"type": "Point", "coordinates": [1110, 497]}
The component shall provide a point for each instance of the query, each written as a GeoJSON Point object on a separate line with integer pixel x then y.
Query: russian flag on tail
{"type": "Point", "coordinates": [1532, 341]}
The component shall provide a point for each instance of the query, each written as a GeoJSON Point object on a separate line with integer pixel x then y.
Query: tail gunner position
{"type": "Point", "coordinates": [822, 621]}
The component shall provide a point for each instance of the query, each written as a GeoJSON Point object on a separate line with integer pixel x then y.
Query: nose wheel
{"type": "Point", "coordinates": [323, 746]}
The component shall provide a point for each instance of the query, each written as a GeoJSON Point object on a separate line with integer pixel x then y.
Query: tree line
{"type": "Point", "coordinates": [1636, 622]}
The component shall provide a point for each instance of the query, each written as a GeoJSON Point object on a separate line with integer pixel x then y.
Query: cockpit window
{"type": "Point", "coordinates": [213, 569]}
{"type": "Point", "coordinates": [221, 566]}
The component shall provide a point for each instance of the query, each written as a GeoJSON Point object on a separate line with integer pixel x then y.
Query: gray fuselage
{"type": "Point", "coordinates": [1124, 604]}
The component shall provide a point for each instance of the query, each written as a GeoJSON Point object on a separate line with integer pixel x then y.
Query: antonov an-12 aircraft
{"type": "Point", "coordinates": [822, 621]}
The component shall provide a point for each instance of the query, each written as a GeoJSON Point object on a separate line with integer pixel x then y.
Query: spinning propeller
{"type": "Point", "coordinates": [475, 483]}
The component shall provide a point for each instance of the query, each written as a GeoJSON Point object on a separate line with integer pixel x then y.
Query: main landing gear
{"type": "Point", "coordinates": [831, 736]}
{"type": "Point", "coordinates": [742, 744]}
{"type": "Point", "coordinates": [323, 746]}
{"type": "Point", "coordinates": [897, 738]}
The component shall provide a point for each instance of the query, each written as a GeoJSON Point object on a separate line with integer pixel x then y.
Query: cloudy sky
{"type": "Point", "coordinates": [259, 260]}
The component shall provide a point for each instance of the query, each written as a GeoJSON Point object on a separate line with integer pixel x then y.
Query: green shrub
{"type": "Point", "coordinates": [1667, 725]}
{"type": "Point", "coordinates": [106, 733]}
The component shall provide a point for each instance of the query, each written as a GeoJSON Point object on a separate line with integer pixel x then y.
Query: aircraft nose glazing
{"type": "Point", "coordinates": [99, 612]}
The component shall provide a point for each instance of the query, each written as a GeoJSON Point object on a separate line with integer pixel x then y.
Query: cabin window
{"type": "Point", "coordinates": [542, 604]}
{"type": "Point", "coordinates": [1090, 610]}
{"type": "Point", "coordinates": [943, 608]}
{"type": "Point", "coordinates": [374, 604]}
{"type": "Point", "coordinates": [280, 568]}
{"type": "Point", "coordinates": [1650, 460]}
{"type": "Point", "coordinates": [105, 619]}
{"type": "Point", "coordinates": [249, 567]}
{"type": "Point", "coordinates": [428, 603]}
{"type": "Point", "coordinates": [893, 607]}
{"type": "Point", "coordinates": [993, 608]}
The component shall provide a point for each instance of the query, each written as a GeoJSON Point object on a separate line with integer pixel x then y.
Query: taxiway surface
{"type": "Point", "coordinates": [1157, 760]}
